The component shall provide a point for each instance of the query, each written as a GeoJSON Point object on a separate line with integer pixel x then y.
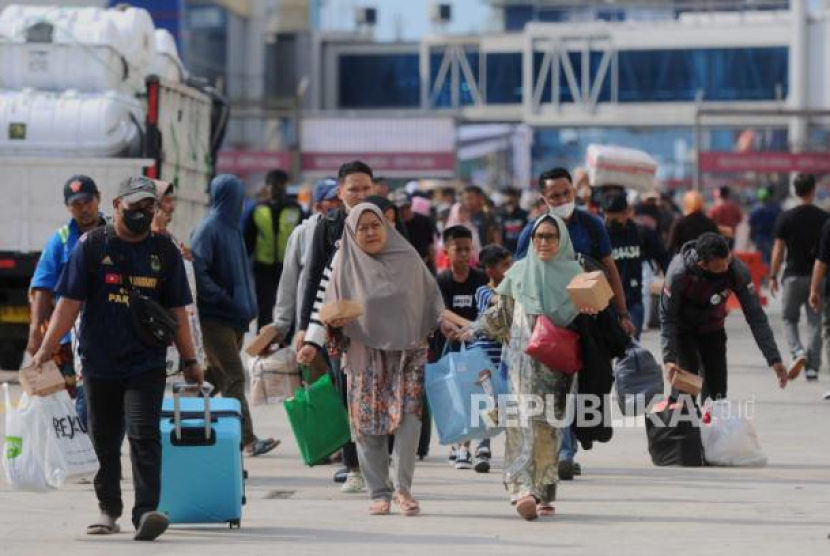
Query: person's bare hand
{"type": "Point", "coordinates": [194, 373]}
{"type": "Point", "coordinates": [773, 286]}
{"type": "Point", "coordinates": [586, 310]}
{"type": "Point", "coordinates": [781, 373]}
{"type": "Point", "coordinates": [306, 354]}
{"type": "Point", "coordinates": [299, 339]}
{"type": "Point", "coordinates": [671, 371]}
{"type": "Point", "coordinates": [815, 300]}
{"type": "Point", "coordinates": [628, 326]}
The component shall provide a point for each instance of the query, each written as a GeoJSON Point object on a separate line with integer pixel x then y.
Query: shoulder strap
{"type": "Point", "coordinates": [94, 248]}
{"type": "Point", "coordinates": [590, 225]}
{"type": "Point", "coordinates": [165, 249]}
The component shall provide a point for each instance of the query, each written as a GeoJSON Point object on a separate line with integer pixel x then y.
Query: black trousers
{"type": "Point", "coordinates": [266, 283]}
{"type": "Point", "coordinates": [349, 448]}
{"type": "Point", "coordinates": [704, 354]}
{"type": "Point", "coordinates": [132, 404]}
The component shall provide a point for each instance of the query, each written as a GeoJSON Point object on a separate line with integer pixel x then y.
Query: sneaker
{"type": "Point", "coordinates": [354, 483]}
{"type": "Point", "coordinates": [151, 526]}
{"type": "Point", "coordinates": [481, 464]}
{"type": "Point", "coordinates": [464, 460]}
{"type": "Point", "coordinates": [566, 470]}
{"type": "Point", "coordinates": [797, 366]}
{"type": "Point", "coordinates": [483, 451]}
{"type": "Point", "coordinates": [577, 469]}
{"type": "Point", "coordinates": [811, 375]}
{"type": "Point", "coordinates": [827, 395]}
{"type": "Point", "coordinates": [341, 475]}
{"type": "Point", "coordinates": [453, 454]}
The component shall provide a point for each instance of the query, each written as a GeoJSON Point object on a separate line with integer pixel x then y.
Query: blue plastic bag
{"type": "Point", "coordinates": [451, 384]}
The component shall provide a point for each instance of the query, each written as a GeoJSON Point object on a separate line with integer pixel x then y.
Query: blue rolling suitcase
{"type": "Point", "coordinates": [202, 479]}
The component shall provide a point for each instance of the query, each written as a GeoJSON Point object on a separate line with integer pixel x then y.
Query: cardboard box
{"type": "Point", "coordinates": [43, 381]}
{"type": "Point", "coordinates": [265, 338]}
{"type": "Point", "coordinates": [339, 310]}
{"type": "Point", "coordinates": [686, 382]}
{"type": "Point", "coordinates": [590, 289]}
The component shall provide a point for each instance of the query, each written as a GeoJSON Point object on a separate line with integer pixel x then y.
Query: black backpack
{"type": "Point", "coordinates": [154, 325]}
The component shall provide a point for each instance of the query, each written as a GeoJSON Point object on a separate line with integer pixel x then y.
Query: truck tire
{"type": "Point", "coordinates": [11, 355]}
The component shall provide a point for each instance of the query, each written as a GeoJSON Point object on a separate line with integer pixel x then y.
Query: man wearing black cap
{"type": "Point", "coordinates": [632, 245]}
{"type": "Point", "coordinates": [124, 371]}
{"type": "Point", "coordinates": [81, 197]}
{"type": "Point", "coordinates": [421, 229]}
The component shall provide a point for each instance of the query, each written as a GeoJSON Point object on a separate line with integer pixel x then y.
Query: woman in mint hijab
{"type": "Point", "coordinates": [534, 286]}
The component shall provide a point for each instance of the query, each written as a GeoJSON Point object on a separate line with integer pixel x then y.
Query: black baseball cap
{"type": "Point", "coordinates": [615, 202]}
{"type": "Point", "coordinates": [79, 188]}
{"type": "Point", "coordinates": [135, 189]}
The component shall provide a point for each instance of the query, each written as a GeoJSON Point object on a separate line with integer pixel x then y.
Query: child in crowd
{"type": "Point", "coordinates": [495, 261]}
{"type": "Point", "coordinates": [458, 284]}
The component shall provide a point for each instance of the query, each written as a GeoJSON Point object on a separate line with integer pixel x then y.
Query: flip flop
{"type": "Point", "coordinates": [796, 368]}
{"type": "Point", "coordinates": [526, 507]}
{"type": "Point", "coordinates": [380, 507]}
{"type": "Point", "coordinates": [545, 510]}
{"type": "Point", "coordinates": [261, 447]}
{"type": "Point", "coordinates": [408, 506]}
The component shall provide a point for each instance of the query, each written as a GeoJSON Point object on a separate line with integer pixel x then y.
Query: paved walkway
{"type": "Point", "coordinates": [621, 506]}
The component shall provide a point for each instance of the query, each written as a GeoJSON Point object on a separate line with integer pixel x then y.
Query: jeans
{"type": "Point", "coordinates": [80, 404]}
{"type": "Point", "coordinates": [266, 283]}
{"type": "Point", "coordinates": [705, 351]}
{"type": "Point", "coordinates": [350, 457]}
{"type": "Point", "coordinates": [225, 370]}
{"type": "Point", "coordinates": [796, 293]}
{"type": "Point", "coordinates": [568, 446]}
{"type": "Point", "coordinates": [131, 403]}
{"type": "Point", "coordinates": [637, 313]}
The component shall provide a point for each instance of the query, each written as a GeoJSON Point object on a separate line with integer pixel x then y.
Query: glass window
{"type": "Point", "coordinates": [379, 81]}
{"type": "Point", "coordinates": [444, 97]}
{"type": "Point", "coordinates": [504, 78]}
{"type": "Point", "coordinates": [721, 74]}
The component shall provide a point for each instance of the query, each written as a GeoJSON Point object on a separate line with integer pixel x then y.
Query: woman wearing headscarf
{"type": "Point", "coordinates": [385, 348]}
{"type": "Point", "coordinates": [534, 287]}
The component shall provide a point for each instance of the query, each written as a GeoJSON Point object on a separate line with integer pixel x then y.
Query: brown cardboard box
{"type": "Point", "coordinates": [590, 289]}
{"type": "Point", "coordinates": [265, 338]}
{"type": "Point", "coordinates": [343, 309]}
{"type": "Point", "coordinates": [687, 382]}
{"type": "Point", "coordinates": [43, 381]}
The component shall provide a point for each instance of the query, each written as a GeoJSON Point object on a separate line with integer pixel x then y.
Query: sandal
{"type": "Point", "coordinates": [380, 507]}
{"type": "Point", "coordinates": [526, 507]}
{"type": "Point", "coordinates": [260, 447]}
{"type": "Point", "coordinates": [407, 506]}
{"type": "Point", "coordinates": [105, 525]}
{"type": "Point", "coordinates": [545, 510]}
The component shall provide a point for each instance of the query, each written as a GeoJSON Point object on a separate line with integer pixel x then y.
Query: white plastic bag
{"type": "Point", "coordinates": [46, 443]}
{"type": "Point", "coordinates": [24, 446]}
{"type": "Point", "coordinates": [276, 377]}
{"type": "Point", "coordinates": [729, 439]}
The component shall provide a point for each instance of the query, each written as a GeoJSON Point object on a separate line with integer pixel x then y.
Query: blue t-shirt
{"type": "Point", "coordinates": [53, 259]}
{"type": "Point", "coordinates": [108, 346]}
{"type": "Point", "coordinates": [492, 348]}
{"type": "Point", "coordinates": [581, 236]}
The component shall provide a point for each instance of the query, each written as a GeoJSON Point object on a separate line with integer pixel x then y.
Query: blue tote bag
{"type": "Point", "coordinates": [452, 384]}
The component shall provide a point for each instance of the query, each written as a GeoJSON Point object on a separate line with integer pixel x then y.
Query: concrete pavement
{"type": "Point", "coordinates": [622, 505]}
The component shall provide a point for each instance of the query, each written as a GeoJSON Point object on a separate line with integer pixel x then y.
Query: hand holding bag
{"type": "Point", "coordinates": [555, 347]}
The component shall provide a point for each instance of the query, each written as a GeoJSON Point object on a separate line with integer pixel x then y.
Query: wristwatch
{"type": "Point", "coordinates": [190, 362]}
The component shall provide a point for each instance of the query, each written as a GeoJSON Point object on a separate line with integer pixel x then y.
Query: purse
{"type": "Point", "coordinates": [318, 419]}
{"type": "Point", "coordinates": [555, 347]}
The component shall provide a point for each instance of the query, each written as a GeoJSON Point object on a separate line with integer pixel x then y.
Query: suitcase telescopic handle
{"type": "Point", "coordinates": [180, 387]}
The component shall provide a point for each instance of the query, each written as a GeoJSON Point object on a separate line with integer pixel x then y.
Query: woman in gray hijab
{"type": "Point", "coordinates": [385, 349]}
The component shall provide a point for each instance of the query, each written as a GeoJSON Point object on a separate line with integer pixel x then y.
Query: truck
{"type": "Point", "coordinates": [150, 119]}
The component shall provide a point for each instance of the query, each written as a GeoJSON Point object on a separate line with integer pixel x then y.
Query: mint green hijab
{"type": "Point", "coordinates": [540, 286]}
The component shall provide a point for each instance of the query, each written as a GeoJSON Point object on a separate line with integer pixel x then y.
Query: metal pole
{"type": "Point", "coordinates": [697, 133]}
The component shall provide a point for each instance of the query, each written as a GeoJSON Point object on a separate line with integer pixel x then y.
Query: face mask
{"type": "Point", "coordinates": [564, 211]}
{"type": "Point", "coordinates": [712, 275]}
{"type": "Point", "coordinates": [138, 221]}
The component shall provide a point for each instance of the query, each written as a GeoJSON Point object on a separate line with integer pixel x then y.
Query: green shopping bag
{"type": "Point", "coordinates": [318, 419]}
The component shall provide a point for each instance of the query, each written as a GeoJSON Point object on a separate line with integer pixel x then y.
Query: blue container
{"type": "Point", "coordinates": [202, 479]}
{"type": "Point", "coordinates": [452, 384]}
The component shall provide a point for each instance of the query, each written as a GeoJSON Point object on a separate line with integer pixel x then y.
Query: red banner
{"type": "Point", "coordinates": [252, 162]}
{"type": "Point", "coordinates": [404, 164]}
{"type": "Point", "coordinates": [764, 162]}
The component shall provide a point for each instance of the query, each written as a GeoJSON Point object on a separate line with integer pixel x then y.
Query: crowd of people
{"type": "Point", "coordinates": [434, 271]}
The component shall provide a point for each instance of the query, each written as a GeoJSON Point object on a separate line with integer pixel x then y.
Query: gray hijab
{"type": "Point", "coordinates": [401, 297]}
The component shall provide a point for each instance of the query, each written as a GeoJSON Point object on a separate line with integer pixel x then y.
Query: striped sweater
{"type": "Point", "coordinates": [317, 332]}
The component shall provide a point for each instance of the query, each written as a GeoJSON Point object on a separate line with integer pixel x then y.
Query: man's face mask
{"type": "Point", "coordinates": [138, 220]}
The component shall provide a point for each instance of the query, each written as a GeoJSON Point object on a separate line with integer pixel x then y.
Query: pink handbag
{"type": "Point", "coordinates": [555, 347]}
